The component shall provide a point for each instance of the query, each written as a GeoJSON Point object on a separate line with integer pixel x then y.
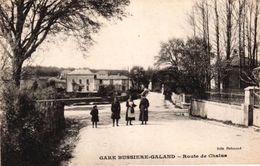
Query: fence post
{"type": "Point", "coordinates": [162, 90]}
{"type": "Point", "coordinates": [183, 98]}
{"type": "Point", "coordinates": [249, 105]}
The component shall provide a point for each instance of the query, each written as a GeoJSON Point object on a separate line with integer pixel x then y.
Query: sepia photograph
{"type": "Point", "coordinates": [129, 82]}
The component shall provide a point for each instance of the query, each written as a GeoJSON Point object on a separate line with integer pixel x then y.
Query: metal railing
{"type": "Point", "coordinates": [236, 98]}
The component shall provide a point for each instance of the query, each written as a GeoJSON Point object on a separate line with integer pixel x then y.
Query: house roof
{"type": "Point", "coordinates": [66, 71]}
{"type": "Point", "coordinates": [112, 77]}
{"type": "Point", "coordinates": [57, 80]}
{"type": "Point", "coordinates": [102, 72]}
{"type": "Point", "coordinates": [81, 72]}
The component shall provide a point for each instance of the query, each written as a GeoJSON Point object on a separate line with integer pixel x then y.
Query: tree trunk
{"type": "Point", "coordinates": [17, 70]}
{"type": "Point", "coordinates": [17, 63]}
{"type": "Point", "coordinates": [255, 34]}
{"type": "Point", "coordinates": [193, 22]}
{"type": "Point", "coordinates": [218, 45]}
{"type": "Point", "coordinates": [240, 38]}
{"type": "Point", "coordinates": [204, 28]}
{"type": "Point", "coordinates": [244, 34]}
{"type": "Point", "coordinates": [229, 28]}
{"type": "Point", "coordinates": [208, 46]}
{"type": "Point", "coordinates": [249, 37]}
{"type": "Point", "coordinates": [228, 36]}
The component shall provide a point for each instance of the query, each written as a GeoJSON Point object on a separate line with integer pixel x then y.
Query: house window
{"type": "Point", "coordinates": [87, 88]}
{"type": "Point", "coordinates": [80, 81]}
{"type": "Point", "coordinates": [87, 82]}
{"type": "Point", "coordinates": [73, 83]}
{"type": "Point", "coordinates": [100, 81]}
{"type": "Point", "coordinates": [111, 82]}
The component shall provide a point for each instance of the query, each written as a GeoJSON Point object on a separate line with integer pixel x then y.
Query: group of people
{"type": "Point", "coordinates": [130, 111]}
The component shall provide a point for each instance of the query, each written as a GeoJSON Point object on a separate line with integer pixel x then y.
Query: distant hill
{"type": "Point", "coordinates": [112, 72]}
{"type": "Point", "coordinates": [43, 71]}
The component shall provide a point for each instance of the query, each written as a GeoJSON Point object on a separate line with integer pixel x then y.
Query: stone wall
{"type": "Point", "coordinates": [220, 111]}
{"type": "Point", "coordinates": [256, 117]}
{"type": "Point", "coordinates": [247, 114]}
{"type": "Point", "coordinates": [198, 108]}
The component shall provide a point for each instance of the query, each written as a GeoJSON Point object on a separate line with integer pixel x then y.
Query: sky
{"type": "Point", "coordinates": [123, 44]}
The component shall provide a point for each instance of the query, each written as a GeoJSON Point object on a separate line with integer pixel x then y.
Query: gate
{"type": "Point", "coordinates": [251, 115]}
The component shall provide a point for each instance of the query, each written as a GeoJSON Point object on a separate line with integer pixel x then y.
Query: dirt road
{"type": "Point", "coordinates": [167, 139]}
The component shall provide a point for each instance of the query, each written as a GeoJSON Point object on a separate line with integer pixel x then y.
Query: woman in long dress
{"type": "Point", "coordinates": [143, 106]}
{"type": "Point", "coordinates": [130, 112]}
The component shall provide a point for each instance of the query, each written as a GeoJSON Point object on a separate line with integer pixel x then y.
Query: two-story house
{"type": "Point", "coordinates": [86, 81]}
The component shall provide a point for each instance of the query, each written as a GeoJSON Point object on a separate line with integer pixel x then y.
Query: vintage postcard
{"type": "Point", "coordinates": [129, 82]}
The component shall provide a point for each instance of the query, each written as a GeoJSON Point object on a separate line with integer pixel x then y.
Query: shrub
{"type": "Point", "coordinates": [48, 93]}
{"type": "Point", "coordinates": [106, 90]}
{"type": "Point", "coordinates": [17, 106]}
{"type": "Point", "coordinates": [24, 140]}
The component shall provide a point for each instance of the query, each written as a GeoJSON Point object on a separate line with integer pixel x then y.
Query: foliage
{"type": "Point", "coordinates": [49, 92]}
{"type": "Point", "coordinates": [69, 140]}
{"type": "Point", "coordinates": [138, 77]}
{"type": "Point", "coordinates": [20, 123]}
{"type": "Point", "coordinates": [35, 85]}
{"type": "Point", "coordinates": [106, 90]}
{"type": "Point", "coordinates": [232, 28]}
{"type": "Point", "coordinates": [134, 93]}
{"type": "Point", "coordinates": [25, 25]}
{"type": "Point", "coordinates": [24, 140]}
{"type": "Point", "coordinates": [41, 71]}
{"type": "Point", "coordinates": [170, 53]}
{"type": "Point", "coordinates": [196, 64]}
{"type": "Point", "coordinates": [189, 65]}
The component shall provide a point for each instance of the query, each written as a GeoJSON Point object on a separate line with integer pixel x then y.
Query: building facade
{"type": "Point", "coordinates": [86, 81]}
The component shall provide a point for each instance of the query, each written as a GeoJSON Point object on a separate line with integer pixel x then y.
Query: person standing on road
{"type": "Point", "coordinates": [115, 108]}
{"type": "Point", "coordinates": [167, 94]}
{"type": "Point", "coordinates": [130, 112]}
{"type": "Point", "coordinates": [94, 114]}
{"type": "Point", "coordinates": [143, 106]}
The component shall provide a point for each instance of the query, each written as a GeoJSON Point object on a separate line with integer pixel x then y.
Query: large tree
{"type": "Point", "coordinates": [196, 64]}
{"type": "Point", "coordinates": [189, 61]}
{"type": "Point", "coordinates": [170, 53]}
{"type": "Point", "coordinates": [26, 24]}
{"type": "Point", "coordinates": [138, 77]}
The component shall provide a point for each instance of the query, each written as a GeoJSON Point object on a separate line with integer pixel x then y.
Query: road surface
{"type": "Point", "coordinates": [167, 139]}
